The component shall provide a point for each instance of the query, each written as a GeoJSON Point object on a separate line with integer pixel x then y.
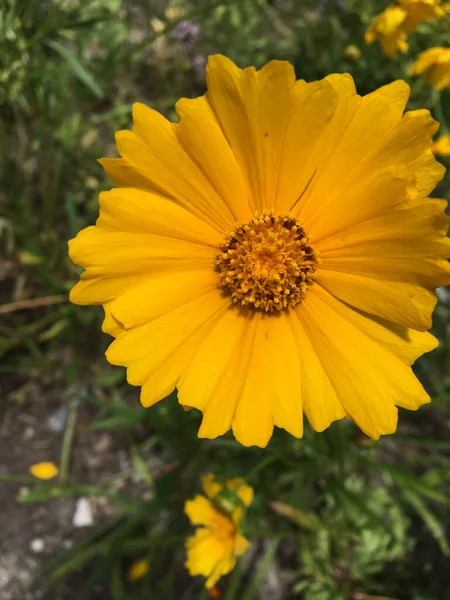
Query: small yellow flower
{"type": "Point", "coordinates": [434, 65]}
{"type": "Point", "coordinates": [441, 145]}
{"type": "Point", "coordinates": [213, 549]}
{"type": "Point", "coordinates": [44, 470]}
{"type": "Point", "coordinates": [420, 11]}
{"type": "Point", "coordinates": [352, 53]}
{"type": "Point", "coordinates": [388, 27]}
{"type": "Point", "coordinates": [138, 569]}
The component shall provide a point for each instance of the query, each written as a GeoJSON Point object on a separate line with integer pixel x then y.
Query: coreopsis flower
{"type": "Point", "coordinates": [44, 470]}
{"type": "Point", "coordinates": [441, 145]}
{"type": "Point", "coordinates": [388, 28]}
{"type": "Point", "coordinates": [420, 11]}
{"type": "Point", "coordinates": [434, 65]}
{"type": "Point", "coordinates": [272, 254]}
{"type": "Point", "coordinates": [217, 542]}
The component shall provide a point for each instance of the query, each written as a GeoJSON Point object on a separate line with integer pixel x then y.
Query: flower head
{"type": "Point", "coordinates": [388, 27]}
{"type": "Point", "coordinates": [434, 65]}
{"type": "Point", "coordinates": [420, 11]}
{"type": "Point", "coordinates": [441, 145]}
{"type": "Point", "coordinates": [272, 254]}
{"type": "Point", "coordinates": [44, 470]}
{"type": "Point", "coordinates": [213, 549]}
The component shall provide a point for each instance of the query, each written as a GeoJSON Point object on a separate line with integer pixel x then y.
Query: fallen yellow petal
{"type": "Point", "coordinates": [44, 470]}
{"type": "Point", "coordinates": [138, 569]}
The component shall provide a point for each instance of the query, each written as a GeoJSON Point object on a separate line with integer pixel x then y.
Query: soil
{"type": "Point", "coordinates": [30, 533]}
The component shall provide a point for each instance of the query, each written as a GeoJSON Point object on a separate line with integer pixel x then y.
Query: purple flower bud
{"type": "Point", "coordinates": [199, 64]}
{"type": "Point", "coordinates": [186, 31]}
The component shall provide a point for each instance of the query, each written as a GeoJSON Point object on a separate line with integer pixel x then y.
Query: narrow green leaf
{"type": "Point", "coordinates": [253, 587]}
{"type": "Point", "coordinates": [430, 520]}
{"type": "Point", "coordinates": [77, 68]}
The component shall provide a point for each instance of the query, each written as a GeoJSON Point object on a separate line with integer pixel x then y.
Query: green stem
{"type": "Point", "coordinates": [437, 107]}
{"type": "Point", "coordinates": [68, 440]}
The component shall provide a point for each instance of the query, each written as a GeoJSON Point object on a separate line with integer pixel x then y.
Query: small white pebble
{"type": "Point", "coordinates": [37, 545]}
{"type": "Point", "coordinates": [443, 294]}
{"type": "Point", "coordinates": [82, 516]}
{"type": "Point", "coordinates": [57, 420]}
{"type": "Point", "coordinates": [29, 432]}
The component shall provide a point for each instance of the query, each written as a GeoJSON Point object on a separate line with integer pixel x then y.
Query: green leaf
{"type": "Point", "coordinates": [77, 68]}
{"type": "Point", "coordinates": [253, 587]}
{"type": "Point", "coordinates": [430, 520]}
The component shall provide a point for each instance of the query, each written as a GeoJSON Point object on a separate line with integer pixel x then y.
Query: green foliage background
{"type": "Point", "coordinates": [335, 515]}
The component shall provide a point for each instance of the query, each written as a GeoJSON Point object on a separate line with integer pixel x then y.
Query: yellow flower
{"type": "Point", "coordinates": [388, 27]}
{"type": "Point", "coordinates": [272, 254]}
{"type": "Point", "coordinates": [442, 145]}
{"type": "Point", "coordinates": [44, 470]}
{"type": "Point", "coordinates": [434, 65]}
{"type": "Point", "coordinates": [213, 549]}
{"type": "Point", "coordinates": [419, 11]}
{"type": "Point", "coordinates": [138, 569]}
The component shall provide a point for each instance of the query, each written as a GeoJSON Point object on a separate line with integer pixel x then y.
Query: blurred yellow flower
{"type": "Point", "coordinates": [213, 549]}
{"type": "Point", "coordinates": [391, 25]}
{"type": "Point", "coordinates": [434, 65]}
{"type": "Point", "coordinates": [44, 470]}
{"type": "Point", "coordinates": [419, 11]}
{"type": "Point", "coordinates": [272, 254]}
{"type": "Point", "coordinates": [441, 145]}
{"type": "Point", "coordinates": [388, 27]}
{"type": "Point", "coordinates": [138, 569]}
{"type": "Point", "coordinates": [352, 53]}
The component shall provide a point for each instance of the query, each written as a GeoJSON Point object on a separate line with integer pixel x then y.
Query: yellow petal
{"type": "Point", "coordinates": [110, 324]}
{"type": "Point", "coordinates": [253, 420]}
{"type": "Point", "coordinates": [200, 511]}
{"type": "Point", "coordinates": [252, 108]}
{"type": "Point", "coordinates": [210, 486]}
{"type": "Point", "coordinates": [115, 253]}
{"type": "Point", "coordinates": [102, 290]}
{"type": "Point", "coordinates": [383, 248]}
{"type": "Point", "coordinates": [200, 381]}
{"type": "Point", "coordinates": [128, 209]}
{"type": "Point", "coordinates": [312, 108]}
{"type": "Point", "coordinates": [368, 379]}
{"type": "Point", "coordinates": [146, 350]}
{"type": "Point", "coordinates": [154, 150]}
{"type": "Point", "coordinates": [284, 374]}
{"type": "Point", "coordinates": [244, 491]}
{"type": "Point", "coordinates": [44, 470]}
{"type": "Point", "coordinates": [405, 344]}
{"type": "Point", "coordinates": [123, 174]}
{"type": "Point", "coordinates": [441, 146]}
{"type": "Point", "coordinates": [320, 402]}
{"type": "Point", "coordinates": [159, 295]}
{"type": "Point", "coordinates": [241, 545]}
{"type": "Point", "coordinates": [404, 303]}
{"type": "Point", "coordinates": [348, 166]}
{"type": "Point", "coordinates": [205, 143]}
{"type": "Point", "coordinates": [138, 569]}
{"type": "Point", "coordinates": [208, 556]}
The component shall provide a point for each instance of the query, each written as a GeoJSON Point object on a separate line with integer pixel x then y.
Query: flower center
{"type": "Point", "coordinates": [223, 528]}
{"type": "Point", "coordinates": [267, 263]}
